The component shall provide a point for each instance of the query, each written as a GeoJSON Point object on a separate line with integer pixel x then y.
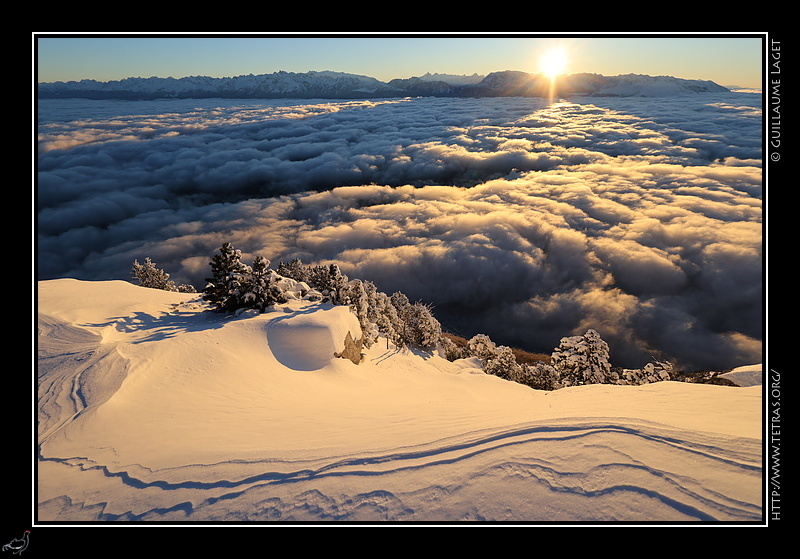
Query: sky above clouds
{"type": "Point", "coordinates": [640, 218]}
{"type": "Point", "coordinates": [727, 60]}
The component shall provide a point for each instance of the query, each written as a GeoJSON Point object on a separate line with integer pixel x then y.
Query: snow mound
{"type": "Point", "coordinates": [307, 339]}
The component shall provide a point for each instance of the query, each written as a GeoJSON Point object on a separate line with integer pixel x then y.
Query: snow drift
{"type": "Point", "coordinates": [151, 408]}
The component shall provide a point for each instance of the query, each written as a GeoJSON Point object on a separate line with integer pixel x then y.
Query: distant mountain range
{"type": "Point", "coordinates": [338, 85]}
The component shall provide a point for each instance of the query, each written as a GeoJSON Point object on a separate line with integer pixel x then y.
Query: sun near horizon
{"type": "Point", "coordinates": [553, 63]}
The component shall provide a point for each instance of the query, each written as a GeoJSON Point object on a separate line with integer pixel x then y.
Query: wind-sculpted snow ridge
{"type": "Point", "coordinates": [576, 470]}
{"type": "Point", "coordinates": [151, 408]}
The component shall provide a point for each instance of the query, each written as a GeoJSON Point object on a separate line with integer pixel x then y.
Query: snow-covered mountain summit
{"type": "Point", "coordinates": [339, 85]}
{"type": "Point", "coordinates": [279, 84]}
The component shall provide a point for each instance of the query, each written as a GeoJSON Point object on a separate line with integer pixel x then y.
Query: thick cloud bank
{"type": "Point", "coordinates": [528, 221]}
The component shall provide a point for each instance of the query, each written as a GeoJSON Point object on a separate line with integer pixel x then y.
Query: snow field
{"type": "Point", "coordinates": [151, 408]}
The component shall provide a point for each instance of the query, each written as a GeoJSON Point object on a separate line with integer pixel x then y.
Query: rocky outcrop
{"type": "Point", "coordinates": [352, 349]}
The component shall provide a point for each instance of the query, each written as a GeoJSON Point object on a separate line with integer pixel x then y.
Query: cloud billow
{"type": "Point", "coordinates": [640, 218]}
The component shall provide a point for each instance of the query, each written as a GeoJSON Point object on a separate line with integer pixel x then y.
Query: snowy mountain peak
{"type": "Point", "coordinates": [340, 85]}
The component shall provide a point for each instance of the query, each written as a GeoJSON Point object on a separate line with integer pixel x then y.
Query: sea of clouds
{"type": "Point", "coordinates": [514, 217]}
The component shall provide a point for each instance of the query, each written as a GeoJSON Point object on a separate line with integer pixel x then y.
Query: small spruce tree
{"type": "Point", "coordinates": [260, 287]}
{"type": "Point", "coordinates": [335, 285]}
{"type": "Point", "coordinates": [225, 287]}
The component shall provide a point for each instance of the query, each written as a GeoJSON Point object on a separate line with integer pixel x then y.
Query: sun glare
{"type": "Point", "coordinates": [554, 62]}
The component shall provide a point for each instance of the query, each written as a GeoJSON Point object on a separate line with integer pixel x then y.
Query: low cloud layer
{"type": "Point", "coordinates": [640, 218]}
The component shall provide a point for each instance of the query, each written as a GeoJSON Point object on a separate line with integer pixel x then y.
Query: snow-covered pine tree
{"type": "Point", "coordinates": [260, 287]}
{"type": "Point", "coordinates": [583, 360]}
{"type": "Point", "coordinates": [295, 270]}
{"type": "Point", "coordinates": [452, 351]}
{"type": "Point", "coordinates": [388, 320]}
{"type": "Point", "coordinates": [422, 327]}
{"type": "Point", "coordinates": [358, 296]}
{"type": "Point", "coordinates": [371, 296]}
{"type": "Point", "coordinates": [659, 371]}
{"type": "Point", "coordinates": [400, 302]}
{"type": "Point", "coordinates": [416, 324]}
{"type": "Point", "coordinates": [538, 375]}
{"type": "Point", "coordinates": [228, 275]}
{"type": "Point", "coordinates": [330, 281]}
{"type": "Point", "coordinates": [503, 364]}
{"type": "Point", "coordinates": [336, 285]}
{"type": "Point", "coordinates": [482, 347]}
{"type": "Point", "coordinates": [401, 305]}
{"type": "Point", "coordinates": [652, 372]}
{"type": "Point", "coordinates": [148, 275]}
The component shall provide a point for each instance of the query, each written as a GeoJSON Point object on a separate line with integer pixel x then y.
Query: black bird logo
{"type": "Point", "coordinates": [18, 545]}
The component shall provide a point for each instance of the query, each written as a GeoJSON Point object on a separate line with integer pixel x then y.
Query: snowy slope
{"type": "Point", "coordinates": [747, 375]}
{"type": "Point", "coordinates": [638, 85]}
{"type": "Point", "coordinates": [151, 408]}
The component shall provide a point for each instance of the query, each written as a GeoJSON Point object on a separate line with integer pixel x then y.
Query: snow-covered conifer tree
{"type": "Point", "coordinates": [482, 347]}
{"type": "Point", "coordinates": [387, 319]}
{"type": "Point", "coordinates": [356, 293]}
{"type": "Point", "coordinates": [452, 351]}
{"type": "Point", "coordinates": [149, 276]}
{"type": "Point", "coordinates": [651, 372]}
{"type": "Point", "coordinates": [422, 328]}
{"type": "Point", "coordinates": [228, 275]}
{"type": "Point", "coordinates": [260, 287]}
{"type": "Point", "coordinates": [503, 364]}
{"type": "Point", "coordinates": [538, 375]}
{"type": "Point", "coordinates": [401, 305]}
{"type": "Point", "coordinates": [582, 360]}
{"type": "Point", "coordinates": [295, 270]}
{"type": "Point", "coordinates": [330, 281]}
